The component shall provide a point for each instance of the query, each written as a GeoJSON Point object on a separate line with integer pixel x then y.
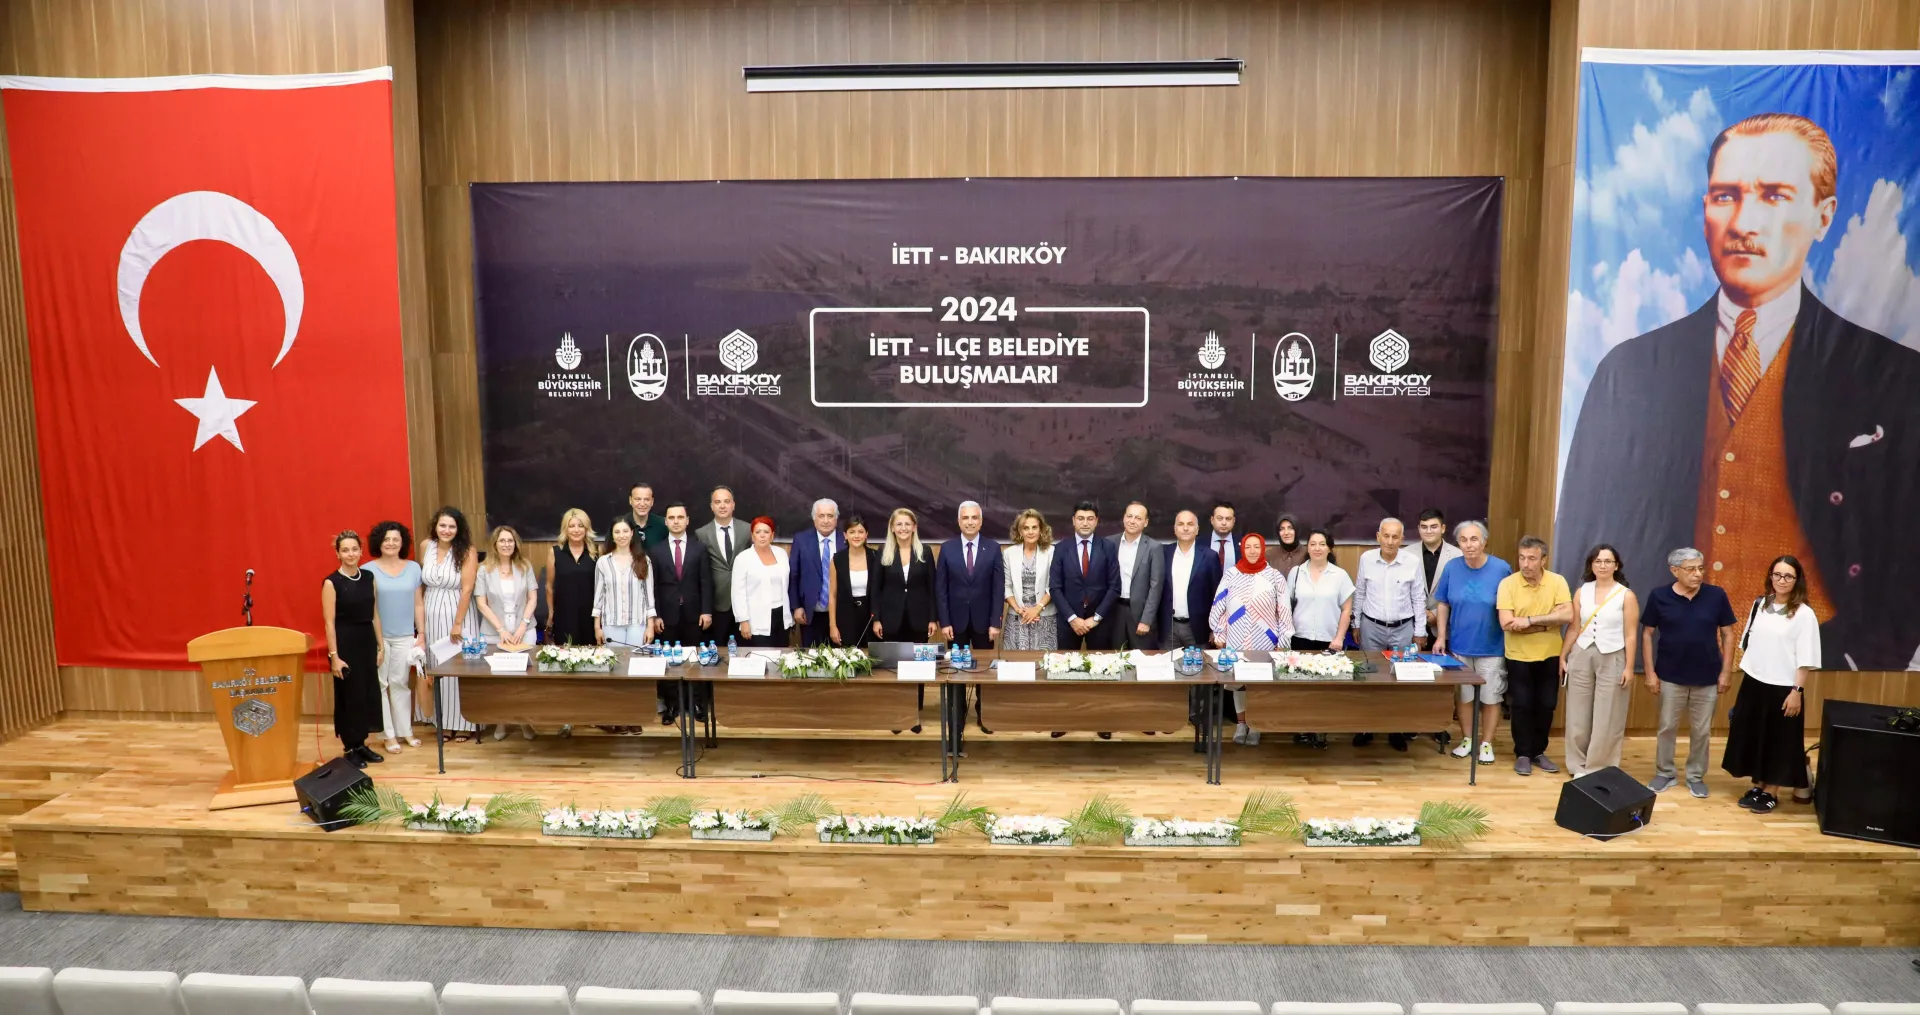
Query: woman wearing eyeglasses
{"type": "Point", "coordinates": [1767, 728]}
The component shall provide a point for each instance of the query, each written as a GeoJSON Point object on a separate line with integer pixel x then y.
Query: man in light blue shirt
{"type": "Point", "coordinates": [1469, 625]}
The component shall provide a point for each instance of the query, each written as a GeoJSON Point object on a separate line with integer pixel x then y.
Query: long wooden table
{"type": "Point", "coordinates": [1369, 701]}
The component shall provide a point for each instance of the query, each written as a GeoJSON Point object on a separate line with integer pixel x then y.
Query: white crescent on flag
{"type": "Point", "coordinates": [208, 215]}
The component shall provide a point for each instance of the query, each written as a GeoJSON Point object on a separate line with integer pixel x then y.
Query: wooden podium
{"type": "Point", "coordinates": [254, 675]}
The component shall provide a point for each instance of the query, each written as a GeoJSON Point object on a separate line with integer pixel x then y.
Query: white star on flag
{"type": "Point", "coordinates": [216, 412]}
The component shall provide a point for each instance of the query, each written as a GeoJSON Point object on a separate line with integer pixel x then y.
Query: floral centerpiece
{"type": "Point", "coordinates": [1057, 663]}
{"type": "Point", "coordinates": [1263, 813]}
{"type": "Point", "coordinates": [1441, 822]}
{"type": "Point", "coordinates": [1313, 665]}
{"type": "Point", "coordinates": [897, 830]}
{"type": "Point", "coordinates": [369, 806]}
{"type": "Point", "coordinates": [825, 663]}
{"type": "Point", "coordinates": [1098, 820]}
{"type": "Point", "coordinates": [574, 659]}
{"type": "Point", "coordinates": [757, 826]}
{"type": "Point", "coordinates": [630, 823]}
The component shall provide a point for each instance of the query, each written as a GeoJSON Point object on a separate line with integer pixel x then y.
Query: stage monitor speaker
{"type": "Point", "coordinates": [324, 791]}
{"type": "Point", "coordinates": [1869, 781]}
{"type": "Point", "coordinates": [1604, 804]}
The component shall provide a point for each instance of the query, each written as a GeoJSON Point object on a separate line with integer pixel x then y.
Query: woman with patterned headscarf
{"type": "Point", "coordinates": [1250, 614]}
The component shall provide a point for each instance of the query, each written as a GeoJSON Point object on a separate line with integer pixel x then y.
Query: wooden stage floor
{"type": "Point", "coordinates": [124, 829]}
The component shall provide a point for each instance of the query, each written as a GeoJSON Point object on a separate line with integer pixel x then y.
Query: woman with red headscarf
{"type": "Point", "coordinates": [760, 589]}
{"type": "Point", "coordinates": [1250, 614]}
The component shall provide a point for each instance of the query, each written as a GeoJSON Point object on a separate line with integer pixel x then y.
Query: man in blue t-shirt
{"type": "Point", "coordinates": [1469, 625]}
{"type": "Point", "coordinates": [1693, 663]}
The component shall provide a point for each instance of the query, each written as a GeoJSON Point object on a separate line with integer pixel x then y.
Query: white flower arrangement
{"type": "Point", "coordinates": [1029, 830]}
{"type": "Point", "coordinates": [599, 824]}
{"type": "Point", "coordinates": [1107, 664]}
{"type": "Point", "coordinates": [744, 826]}
{"type": "Point", "coordinates": [825, 663]}
{"type": "Point", "coordinates": [1065, 662]}
{"type": "Point", "coordinates": [1181, 832]}
{"type": "Point", "coordinates": [1362, 832]}
{"type": "Point", "coordinates": [575, 658]}
{"type": "Point", "coordinates": [465, 819]}
{"type": "Point", "coordinates": [368, 805]}
{"type": "Point", "coordinates": [1319, 665]}
{"type": "Point", "coordinates": [889, 829]}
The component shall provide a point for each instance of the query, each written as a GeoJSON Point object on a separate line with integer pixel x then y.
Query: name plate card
{"type": "Point", "coordinates": [1414, 671]}
{"type": "Point", "coordinates": [918, 669]}
{"type": "Point", "coordinates": [1153, 668]}
{"type": "Point", "coordinates": [747, 666]}
{"type": "Point", "coordinates": [508, 662]}
{"type": "Point", "coordinates": [1015, 671]}
{"type": "Point", "coordinates": [647, 666]}
{"type": "Point", "coordinates": [1244, 670]}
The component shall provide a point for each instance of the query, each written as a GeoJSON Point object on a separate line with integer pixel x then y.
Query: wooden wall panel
{"type": "Point", "coordinates": [132, 38]}
{"type": "Point", "coordinates": [593, 90]}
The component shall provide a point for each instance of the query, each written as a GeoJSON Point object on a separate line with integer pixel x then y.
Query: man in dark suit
{"type": "Point", "coordinates": [807, 563]}
{"type": "Point", "coordinates": [969, 584]}
{"type": "Point", "coordinates": [1224, 539]}
{"type": "Point", "coordinates": [1763, 423]}
{"type": "Point", "coordinates": [1085, 582]}
{"type": "Point", "coordinates": [682, 597]}
{"type": "Point", "coordinates": [1192, 576]}
{"type": "Point", "coordinates": [725, 538]}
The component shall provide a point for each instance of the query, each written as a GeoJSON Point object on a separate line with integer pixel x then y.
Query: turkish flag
{"type": "Point", "coordinates": [212, 299]}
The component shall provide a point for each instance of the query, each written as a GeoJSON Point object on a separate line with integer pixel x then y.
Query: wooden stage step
{"type": "Point", "coordinates": [24, 786]}
{"type": "Point", "coordinates": [139, 839]}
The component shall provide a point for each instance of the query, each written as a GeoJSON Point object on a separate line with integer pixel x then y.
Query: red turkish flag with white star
{"type": "Point", "coordinates": [212, 299]}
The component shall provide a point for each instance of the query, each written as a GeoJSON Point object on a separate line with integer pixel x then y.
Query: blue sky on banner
{"type": "Point", "coordinates": [1639, 257]}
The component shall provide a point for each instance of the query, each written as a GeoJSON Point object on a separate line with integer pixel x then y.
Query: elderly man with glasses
{"type": "Point", "coordinates": [1689, 665]}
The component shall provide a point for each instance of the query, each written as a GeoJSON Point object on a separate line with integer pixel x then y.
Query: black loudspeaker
{"type": "Point", "coordinates": [1604, 804]}
{"type": "Point", "coordinates": [324, 790]}
{"type": "Point", "coordinates": [1869, 779]}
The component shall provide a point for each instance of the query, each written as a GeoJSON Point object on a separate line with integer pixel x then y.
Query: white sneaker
{"type": "Point", "coordinates": [1463, 748]}
{"type": "Point", "coordinates": [1486, 752]}
{"type": "Point", "coordinates": [1253, 737]}
{"type": "Point", "coordinates": [527, 731]}
{"type": "Point", "coordinates": [1240, 733]}
{"type": "Point", "coordinates": [500, 731]}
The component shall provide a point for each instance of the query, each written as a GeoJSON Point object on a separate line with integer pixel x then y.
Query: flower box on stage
{"type": "Point", "coordinates": [1012, 840]}
{"type": "Point", "coordinates": [588, 668]}
{"type": "Point", "coordinates": [595, 833]}
{"type": "Point", "coordinates": [1411, 840]}
{"type": "Point", "coordinates": [442, 826]}
{"type": "Point", "coordinates": [1181, 840]}
{"type": "Point", "coordinates": [735, 834]}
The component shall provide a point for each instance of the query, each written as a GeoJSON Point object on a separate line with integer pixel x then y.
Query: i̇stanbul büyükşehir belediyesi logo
{"type": "Point", "coordinates": [567, 382]}
{"type": "Point", "coordinates": [1294, 366]}
{"type": "Point", "coordinates": [568, 355]}
{"type": "Point", "coordinates": [647, 367]}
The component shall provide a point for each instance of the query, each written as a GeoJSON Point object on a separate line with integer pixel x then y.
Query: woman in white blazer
{"type": "Point", "coordinates": [760, 589]}
{"type": "Point", "coordinates": [1029, 621]}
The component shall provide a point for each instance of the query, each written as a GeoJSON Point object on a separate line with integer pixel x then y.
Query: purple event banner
{"type": "Point", "coordinates": [1318, 346]}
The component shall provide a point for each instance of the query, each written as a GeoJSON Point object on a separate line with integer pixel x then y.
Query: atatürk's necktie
{"type": "Point", "coordinates": [1739, 366]}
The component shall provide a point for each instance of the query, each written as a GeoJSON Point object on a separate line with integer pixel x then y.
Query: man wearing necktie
{"type": "Point", "coordinates": [723, 538]}
{"type": "Point", "coordinates": [808, 570]}
{"type": "Point", "coordinates": [1762, 423]}
{"type": "Point", "coordinates": [969, 584]}
{"type": "Point", "coordinates": [1223, 540]}
{"type": "Point", "coordinates": [1085, 582]}
{"type": "Point", "coordinates": [683, 597]}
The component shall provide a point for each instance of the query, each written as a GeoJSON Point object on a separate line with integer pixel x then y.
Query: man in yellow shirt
{"type": "Point", "coordinates": [1534, 604]}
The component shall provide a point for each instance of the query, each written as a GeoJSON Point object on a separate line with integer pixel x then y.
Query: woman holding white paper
{"type": "Point", "coordinates": [1250, 614]}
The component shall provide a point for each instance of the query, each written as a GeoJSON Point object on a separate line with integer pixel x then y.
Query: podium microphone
{"type": "Point", "coordinates": [246, 599]}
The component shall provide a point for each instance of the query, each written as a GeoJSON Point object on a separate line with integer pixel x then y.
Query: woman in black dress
{"type": "Point", "coordinates": [570, 582]}
{"type": "Point", "coordinates": [850, 607]}
{"type": "Point", "coordinates": [903, 588]}
{"type": "Point", "coordinates": [346, 606]}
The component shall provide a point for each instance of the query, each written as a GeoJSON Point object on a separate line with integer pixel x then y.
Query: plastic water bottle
{"type": "Point", "coordinates": [733, 646]}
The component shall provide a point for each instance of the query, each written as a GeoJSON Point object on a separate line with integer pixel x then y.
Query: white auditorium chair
{"type": "Point", "coordinates": [1055, 1006]}
{"type": "Point", "coordinates": [1149, 1006]}
{"type": "Point", "coordinates": [331, 996]}
{"type": "Point", "coordinates": [1807, 1008]}
{"type": "Point", "coordinates": [1428, 1008]}
{"type": "Point", "coordinates": [914, 1004]}
{"type": "Point", "coordinates": [609, 1001]}
{"type": "Point", "coordinates": [27, 990]}
{"type": "Point", "coordinates": [1618, 1008]}
{"type": "Point", "coordinates": [221, 994]}
{"type": "Point", "coordinates": [756, 1002]}
{"type": "Point", "coordinates": [499, 999]}
{"type": "Point", "coordinates": [1337, 1008]}
{"type": "Point", "coordinates": [1875, 1008]}
{"type": "Point", "coordinates": [83, 991]}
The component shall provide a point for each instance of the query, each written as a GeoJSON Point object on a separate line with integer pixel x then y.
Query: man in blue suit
{"type": "Point", "coordinates": [969, 584]}
{"type": "Point", "coordinates": [1085, 583]}
{"type": "Point", "coordinates": [807, 564]}
{"type": "Point", "coordinates": [1193, 575]}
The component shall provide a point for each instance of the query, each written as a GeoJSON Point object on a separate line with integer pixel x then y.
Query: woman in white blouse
{"type": "Point", "coordinates": [622, 590]}
{"type": "Point", "coordinates": [506, 595]}
{"type": "Point", "coordinates": [1767, 729]}
{"type": "Point", "coordinates": [1596, 663]}
{"type": "Point", "coordinates": [1322, 594]}
{"type": "Point", "coordinates": [760, 589]}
